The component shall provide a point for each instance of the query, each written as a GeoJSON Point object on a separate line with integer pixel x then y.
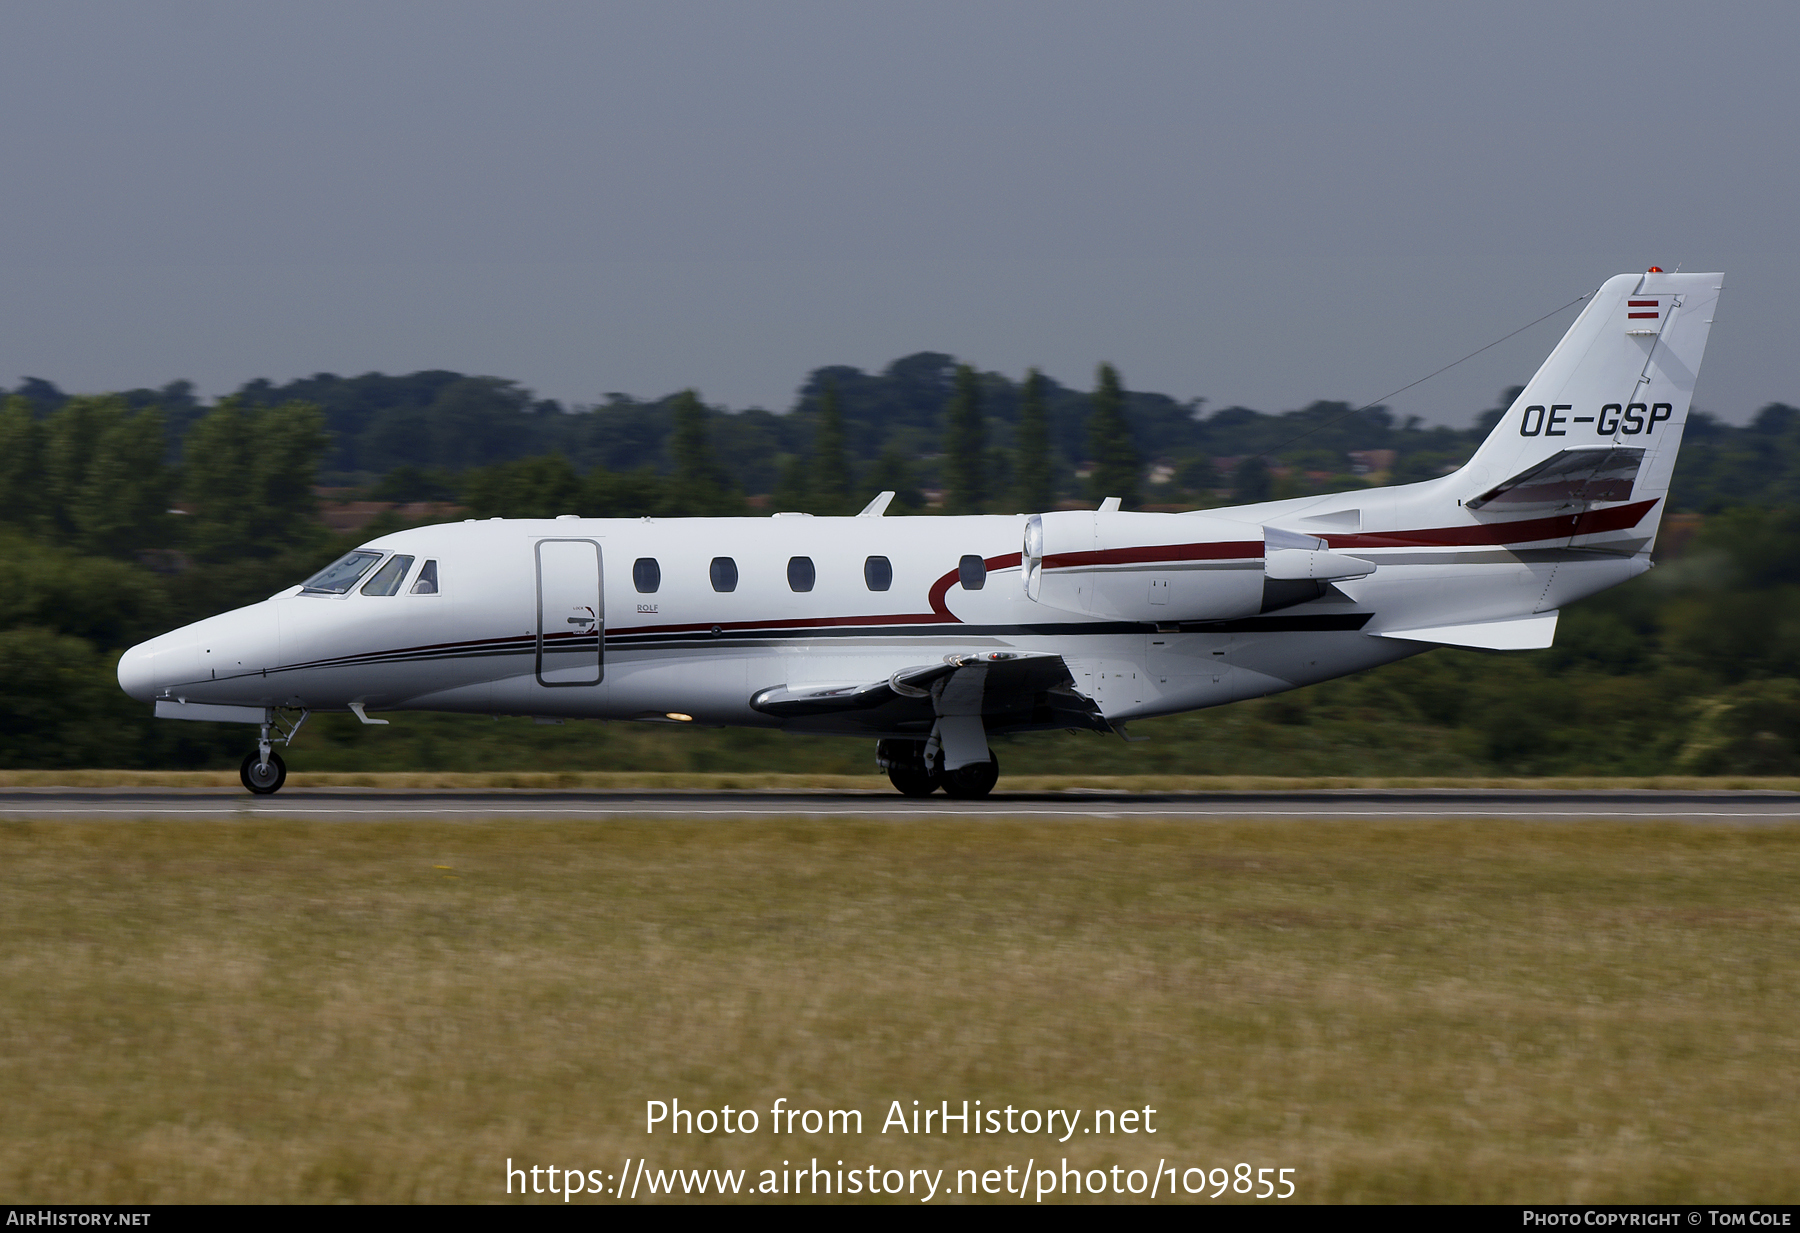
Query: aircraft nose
{"type": "Point", "coordinates": [137, 672]}
{"type": "Point", "coordinates": [150, 667]}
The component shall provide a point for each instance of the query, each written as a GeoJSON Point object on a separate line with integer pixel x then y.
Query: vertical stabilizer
{"type": "Point", "coordinates": [1601, 421]}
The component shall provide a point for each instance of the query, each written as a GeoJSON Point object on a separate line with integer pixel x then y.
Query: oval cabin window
{"type": "Point", "coordinates": [646, 575]}
{"type": "Point", "coordinates": [723, 572]}
{"type": "Point", "coordinates": [971, 571]}
{"type": "Point", "coordinates": [801, 574]}
{"type": "Point", "coordinates": [878, 572]}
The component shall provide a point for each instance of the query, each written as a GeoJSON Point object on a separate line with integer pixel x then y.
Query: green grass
{"type": "Point", "coordinates": [1430, 1011]}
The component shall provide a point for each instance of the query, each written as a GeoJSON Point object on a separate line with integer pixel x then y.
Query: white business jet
{"type": "Point", "coordinates": [931, 635]}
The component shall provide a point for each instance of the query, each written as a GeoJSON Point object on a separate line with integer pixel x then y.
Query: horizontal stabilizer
{"type": "Point", "coordinates": [1522, 633]}
{"type": "Point", "coordinates": [1582, 476]}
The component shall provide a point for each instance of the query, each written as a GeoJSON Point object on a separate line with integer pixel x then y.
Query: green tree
{"type": "Point", "coordinates": [60, 703]}
{"type": "Point", "coordinates": [793, 491]}
{"type": "Point", "coordinates": [541, 487]}
{"type": "Point", "coordinates": [965, 447]}
{"type": "Point", "coordinates": [1035, 483]}
{"type": "Point", "coordinates": [248, 477]}
{"type": "Point", "coordinates": [1251, 481]}
{"type": "Point", "coordinates": [1110, 447]}
{"type": "Point", "coordinates": [622, 494]}
{"type": "Point", "coordinates": [831, 467]}
{"type": "Point", "coordinates": [407, 483]}
{"type": "Point", "coordinates": [1197, 477]}
{"type": "Point", "coordinates": [105, 486]}
{"type": "Point", "coordinates": [21, 463]}
{"type": "Point", "coordinates": [701, 487]}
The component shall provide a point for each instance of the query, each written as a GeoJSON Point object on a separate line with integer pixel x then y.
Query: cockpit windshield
{"type": "Point", "coordinates": [341, 574]}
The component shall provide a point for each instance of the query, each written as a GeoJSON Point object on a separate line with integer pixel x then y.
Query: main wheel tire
{"type": "Point", "coordinates": [260, 779]}
{"type": "Point", "coordinates": [912, 781]}
{"type": "Point", "coordinates": [968, 783]}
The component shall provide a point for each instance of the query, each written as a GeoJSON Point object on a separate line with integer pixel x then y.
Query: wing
{"type": "Point", "coordinates": [1013, 691]}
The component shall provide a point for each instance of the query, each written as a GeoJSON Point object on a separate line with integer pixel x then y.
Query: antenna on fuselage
{"type": "Point", "coordinates": [877, 507]}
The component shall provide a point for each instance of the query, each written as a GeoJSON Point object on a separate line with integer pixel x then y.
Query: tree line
{"type": "Point", "coordinates": [925, 423]}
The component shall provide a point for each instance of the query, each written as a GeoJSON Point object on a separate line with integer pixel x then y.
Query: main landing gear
{"type": "Point", "coordinates": [910, 773]}
{"type": "Point", "coordinates": [262, 770]}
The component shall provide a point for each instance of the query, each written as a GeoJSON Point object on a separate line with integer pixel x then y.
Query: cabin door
{"type": "Point", "coordinates": [571, 616]}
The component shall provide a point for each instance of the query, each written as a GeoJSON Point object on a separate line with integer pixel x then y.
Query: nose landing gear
{"type": "Point", "coordinates": [262, 771]}
{"type": "Point", "coordinates": [263, 778]}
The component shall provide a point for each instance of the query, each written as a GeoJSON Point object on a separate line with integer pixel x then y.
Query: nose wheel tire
{"type": "Point", "coordinates": [967, 783]}
{"type": "Point", "coordinates": [260, 779]}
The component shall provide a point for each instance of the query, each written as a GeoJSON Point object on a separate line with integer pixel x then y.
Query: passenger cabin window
{"type": "Point", "coordinates": [646, 575]}
{"type": "Point", "coordinates": [342, 574]}
{"type": "Point", "coordinates": [972, 572]}
{"type": "Point", "coordinates": [388, 578]}
{"type": "Point", "coordinates": [723, 572]}
{"type": "Point", "coordinates": [427, 583]}
{"type": "Point", "coordinates": [878, 573]}
{"type": "Point", "coordinates": [801, 574]}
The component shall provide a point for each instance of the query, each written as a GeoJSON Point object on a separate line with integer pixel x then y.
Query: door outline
{"type": "Point", "coordinates": [599, 611]}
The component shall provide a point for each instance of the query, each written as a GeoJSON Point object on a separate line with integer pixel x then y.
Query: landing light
{"type": "Point", "coordinates": [678, 717]}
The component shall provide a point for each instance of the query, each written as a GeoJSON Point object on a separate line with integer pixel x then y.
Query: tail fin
{"type": "Point", "coordinates": [1602, 419]}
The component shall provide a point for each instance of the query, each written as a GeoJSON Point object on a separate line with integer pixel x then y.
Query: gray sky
{"type": "Point", "coordinates": [1260, 203]}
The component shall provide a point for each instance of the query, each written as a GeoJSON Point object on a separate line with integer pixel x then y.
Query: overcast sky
{"type": "Point", "coordinates": [1260, 204]}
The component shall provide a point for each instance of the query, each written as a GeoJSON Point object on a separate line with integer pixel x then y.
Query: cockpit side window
{"type": "Point", "coordinates": [342, 574]}
{"type": "Point", "coordinates": [388, 578]}
{"type": "Point", "coordinates": [427, 583]}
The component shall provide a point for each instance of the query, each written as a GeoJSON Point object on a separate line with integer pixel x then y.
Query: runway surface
{"type": "Point", "coordinates": [365, 804]}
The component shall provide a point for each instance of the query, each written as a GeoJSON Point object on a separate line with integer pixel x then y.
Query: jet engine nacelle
{"type": "Point", "coordinates": [1144, 567]}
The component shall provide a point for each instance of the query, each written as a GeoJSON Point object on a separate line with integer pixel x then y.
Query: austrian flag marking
{"type": "Point", "coordinates": [1635, 316]}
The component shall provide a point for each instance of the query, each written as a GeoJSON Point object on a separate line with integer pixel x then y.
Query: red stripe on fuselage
{"type": "Point", "coordinates": [942, 586]}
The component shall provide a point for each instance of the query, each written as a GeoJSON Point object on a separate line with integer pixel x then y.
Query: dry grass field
{"type": "Point", "coordinates": [1398, 1012]}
